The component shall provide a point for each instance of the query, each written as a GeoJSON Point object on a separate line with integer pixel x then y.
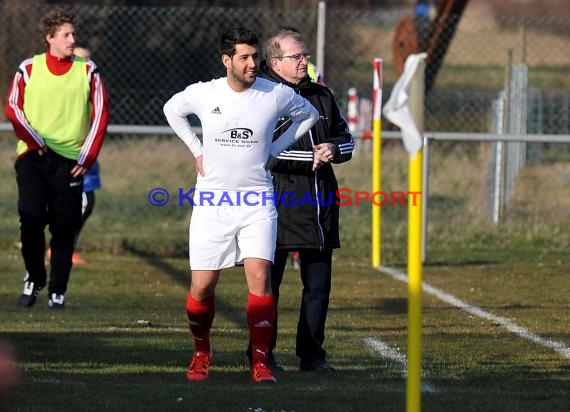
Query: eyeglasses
{"type": "Point", "coordinates": [297, 57]}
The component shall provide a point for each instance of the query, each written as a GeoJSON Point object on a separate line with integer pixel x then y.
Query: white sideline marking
{"type": "Point", "coordinates": [395, 356]}
{"type": "Point", "coordinates": [559, 347]}
{"type": "Point", "coordinates": [387, 352]}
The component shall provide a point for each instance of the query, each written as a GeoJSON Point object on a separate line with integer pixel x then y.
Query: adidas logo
{"type": "Point", "coordinates": [216, 110]}
{"type": "Point", "coordinates": [263, 324]}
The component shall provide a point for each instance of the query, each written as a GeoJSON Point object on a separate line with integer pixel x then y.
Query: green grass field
{"type": "Point", "coordinates": [123, 344]}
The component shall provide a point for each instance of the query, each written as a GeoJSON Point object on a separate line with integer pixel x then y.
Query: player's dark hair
{"type": "Point", "coordinates": [236, 35]}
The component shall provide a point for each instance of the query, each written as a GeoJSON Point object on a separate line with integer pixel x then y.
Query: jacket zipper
{"type": "Point", "coordinates": [321, 232]}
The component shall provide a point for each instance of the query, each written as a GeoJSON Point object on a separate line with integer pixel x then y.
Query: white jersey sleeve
{"type": "Point", "coordinates": [176, 111]}
{"type": "Point", "coordinates": [301, 113]}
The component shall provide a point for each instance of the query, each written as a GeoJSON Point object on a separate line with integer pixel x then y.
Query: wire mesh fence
{"type": "Point", "coordinates": [148, 53]}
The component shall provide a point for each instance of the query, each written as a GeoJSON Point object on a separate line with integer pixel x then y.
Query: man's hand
{"type": "Point", "coordinates": [326, 150]}
{"type": "Point", "coordinates": [323, 153]}
{"type": "Point", "coordinates": [199, 167]}
{"type": "Point", "coordinates": [318, 161]}
{"type": "Point", "coordinates": [78, 171]}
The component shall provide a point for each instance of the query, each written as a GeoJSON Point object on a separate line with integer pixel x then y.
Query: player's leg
{"type": "Point", "coordinates": [201, 310]}
{"type": "Point", "coordinates": [64, 210]}
{"type": "Point", "coordinates": [256, 247]}
{"type": "Point", "coordinates": [87, 205]}
{"type": "Point", "coordinates": [260, 314]}
{"type": "Point", "coordinates": [277, 270]}
{"type": "Point", "coordinates": [32, 201]}
{"type": "Point", "coordinates": [212, 247]}
{"type": "Point", "coordinates": [316, 274]}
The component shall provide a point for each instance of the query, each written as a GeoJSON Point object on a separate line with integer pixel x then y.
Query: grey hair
{"type": "Point", "coordinates": [272, 48]}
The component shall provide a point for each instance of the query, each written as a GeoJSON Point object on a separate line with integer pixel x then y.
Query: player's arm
{"type": "Point", "coordinates": [339, 135]}
{"type": "Point", "coordinates": [293, 160]}
{"type": "Point", "coordinates": [303, 116]}
{"type": "Point", "coordinates": [15, 110]}
{"type": "Point", "coordinates": [290, 161]}
{"type": "Point", "coordinates": [176, 110]}
{"type": "Point", "coordinates": [99, 120]}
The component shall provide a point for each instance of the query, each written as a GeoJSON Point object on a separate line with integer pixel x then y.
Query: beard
{"type": "Point", "coordinates": [246, 79]}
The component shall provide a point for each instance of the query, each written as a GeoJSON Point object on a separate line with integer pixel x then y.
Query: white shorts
{"type": "Point", "coordinates": [221, 237]}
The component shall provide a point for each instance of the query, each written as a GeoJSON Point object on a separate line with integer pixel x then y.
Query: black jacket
{"type": "Point", "coordinates": [308, 213]}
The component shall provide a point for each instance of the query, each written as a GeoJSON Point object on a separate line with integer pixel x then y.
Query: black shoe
{"type": "Point", "coordinates": [56, 301]}
{"type": "Point", "coordinates": [29, 295]}
{"type": "Point", "coordinates": [273, 365]}
{"type": "Point", "coordinates": [320, 366]}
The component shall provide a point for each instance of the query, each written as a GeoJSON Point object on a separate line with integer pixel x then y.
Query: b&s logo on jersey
{"type": "Point", "coordinates": [236, 137]}
{"type": "Point", "coordinates": [240, 133]}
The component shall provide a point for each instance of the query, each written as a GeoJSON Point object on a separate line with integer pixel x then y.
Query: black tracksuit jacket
{"type": "Point", "coordinates": [308, 213]}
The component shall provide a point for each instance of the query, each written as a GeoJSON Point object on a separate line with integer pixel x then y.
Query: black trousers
{"type": "Point", "coordinates": [48, 196]}
{"type": "Point", "coordinates": [316, 274]}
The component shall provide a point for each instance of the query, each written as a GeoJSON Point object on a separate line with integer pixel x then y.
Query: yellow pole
{"type": "Point", "coordinates": [376, 187]}
{"type": "Point", "coordinates": [415, 261]}
{"type": "Point", "coordinates": [413, 390]}
{"type": "Point", "coordinates": [376, 161]}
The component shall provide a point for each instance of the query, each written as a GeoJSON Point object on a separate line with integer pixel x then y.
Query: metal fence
{"type": "Point", "coordinates": [148, 53]}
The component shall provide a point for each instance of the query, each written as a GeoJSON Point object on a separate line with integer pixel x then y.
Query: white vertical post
{"type": "Point", "coordinates": [321, 23]}
{"type": "Point", "coordinates": [352, 110]}
{"type": "Point", "coordinates": [425, 189]}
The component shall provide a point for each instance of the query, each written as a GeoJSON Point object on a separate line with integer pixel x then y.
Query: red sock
{"type": "Point", "coordinates": [200, 318]}
{"type": "Point", "coordinates": [260, 312]}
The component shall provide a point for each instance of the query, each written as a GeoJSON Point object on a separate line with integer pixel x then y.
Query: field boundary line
{"type": "Point", "coordinates": [394, 355]}
{"type": "Point", "coordinates": [557, 346]}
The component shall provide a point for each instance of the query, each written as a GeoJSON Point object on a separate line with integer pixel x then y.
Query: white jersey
{"type": "Point", "coordinates": [237, 130]}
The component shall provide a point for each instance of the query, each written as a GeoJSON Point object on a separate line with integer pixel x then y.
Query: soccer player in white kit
{"type": "Point", "coordinates": [234, 219]}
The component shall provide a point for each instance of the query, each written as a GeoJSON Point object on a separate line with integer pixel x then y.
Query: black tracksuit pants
{"type": "Point", "coordinates": [48, 196]}
{"type": "Point", "coordinates": [316, 274]}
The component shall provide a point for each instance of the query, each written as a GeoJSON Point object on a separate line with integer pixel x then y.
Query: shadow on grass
{"type": "Point", "coordinates": [462, 263]}
{"type": "Point", "coordinates": [70, 371]}
{"type": "Point", "coordinates": [182, 277]}
{"type": "Point", "coordinates": [87, 371]}
{"type": "Point", "coordinates": [392, 306]}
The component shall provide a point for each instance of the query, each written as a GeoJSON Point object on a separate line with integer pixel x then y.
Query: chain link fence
{"type": "Point", "coordinates": [146, 54]}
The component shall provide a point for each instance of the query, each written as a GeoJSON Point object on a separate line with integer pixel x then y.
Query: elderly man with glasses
{"type": "Point", "coordinates": [304, 170]}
